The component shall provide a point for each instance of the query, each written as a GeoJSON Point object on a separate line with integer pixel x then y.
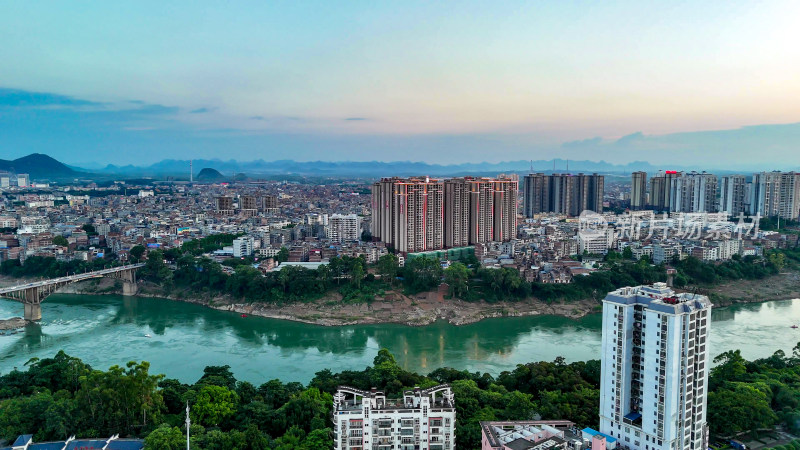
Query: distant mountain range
{"type": "Point", "coordinates": [40, 167]}
{"type": "Point", "coordinates": [371, 168]}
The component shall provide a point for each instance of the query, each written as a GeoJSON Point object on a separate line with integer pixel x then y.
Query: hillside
{"type": "Point", "coordinates": [209, 174]}
{"type": "Point", "coordinates": [39, 166]}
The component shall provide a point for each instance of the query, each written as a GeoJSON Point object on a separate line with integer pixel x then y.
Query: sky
{"type": "Point", "coordinates": [713, 83]}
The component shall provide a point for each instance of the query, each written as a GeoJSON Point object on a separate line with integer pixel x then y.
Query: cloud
{"type": "Point", "coordinates": [202, 110]}
{"type": "Point", "coordinates": [583, 143]}
{"type": "Point", "coordinates": [278, 119]}
{"type": "Point", "coordinates": [632, 138]}
{"type": "Point", "coordinates": [154, 109]}
{"type": "Point", "coordinates": [356, 119]}
{"type": "Point", "coordinates": [19, 98]}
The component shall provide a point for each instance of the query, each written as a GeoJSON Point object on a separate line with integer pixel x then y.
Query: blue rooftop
{"type": "Point", "coordinates": [47, 446]}
{"type": "Point", "coordinates": [592, 432]}
{"type": "Point", "coordinates": [125, 445]}
{"type": "Point", "coordinates": [22, 440]}
{"type": "Point", "coordinates": [87, 444]}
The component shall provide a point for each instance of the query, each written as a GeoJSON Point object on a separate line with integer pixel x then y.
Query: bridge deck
{"type": "Point", "coordinates": [69, 279]}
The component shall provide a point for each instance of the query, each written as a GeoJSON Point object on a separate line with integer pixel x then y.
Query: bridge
{"type": "Point", "coordinates": [33, 294]}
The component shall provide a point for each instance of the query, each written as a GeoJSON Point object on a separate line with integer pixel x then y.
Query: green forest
{"type": "Point", "coordinates": [61, 396]}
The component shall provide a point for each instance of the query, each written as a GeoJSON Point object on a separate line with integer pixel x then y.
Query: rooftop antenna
{"type": "Point", "coordinates": [567, 166]}
{"type": "Point", "coordinates": [531, 166]}
{"type": "Point", "coordinates": [191, 172]}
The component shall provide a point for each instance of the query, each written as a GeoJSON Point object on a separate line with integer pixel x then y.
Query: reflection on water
{"type": "Point", "coordinates": [106, 330]}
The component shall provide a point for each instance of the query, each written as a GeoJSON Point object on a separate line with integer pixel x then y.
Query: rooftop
{"type": "Point", "coordinates": [659, 297]}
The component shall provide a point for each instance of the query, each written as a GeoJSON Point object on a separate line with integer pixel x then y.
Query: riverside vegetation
{"type": "Point", "coordinates": [357, 282]}
{"type": "Point", "coordinates": [61, 396]}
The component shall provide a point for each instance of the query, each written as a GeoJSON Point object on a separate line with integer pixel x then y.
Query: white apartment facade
{"type": "Point", "coordinates": [424, 419]}
{"type": "Point", "coordinates": [343, 228]}
{"type": "Point", "coordinates": [654, 368]}
{"type": "Point", "coordinates": [595, 242]}
{"type": "Point", "coordinates": [243, 246]}
{"type": "Point", "coordinates": [665, 252]}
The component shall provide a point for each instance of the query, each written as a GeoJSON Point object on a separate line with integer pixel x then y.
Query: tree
{"type": "Point", "coordinates": [60, 240]}
{"type": "Point", "coordinates": [384, 369]}
{"type": "Point", "coordinates": [256, 440]}
{"type": "Point", "coordinates": [155, 270]}
{"type": "Point", "coordinates": [89, 229]}
{"type": "Point", "coordinates": [422, 273]}
{"type": "Point", "coordinates": [136, 252]}
{"type": "Point", "coordinates": [519, 406]}
{"type": "Point", "coordinates": [739, 407]}
{"type": "Point", "coordinates": [358, 274]}
{"type": "Point", "coordinates": [283, 255]}
{"type": "Point", "coordinates": [219, 376]}
{"type": "Point", "coordinates": [165, 437]}
{"type": "Point", "coordinates": [457, 277]}
{"type": "Point", "coordinates": [388, 267]}
{"type": "Point", "coordinates": [319, 438]}
{"type": "Point", "coordinates": [627, 253]}
{"type": "Point", "coordinates": [214, 404]}
{"type": "Point", "coordinates": [122, 399]}
{"type": "Point", "coordinates": [730, 366]}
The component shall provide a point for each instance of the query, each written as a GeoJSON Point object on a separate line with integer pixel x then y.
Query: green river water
{"type": "Point", "coordinates": [110, 329]}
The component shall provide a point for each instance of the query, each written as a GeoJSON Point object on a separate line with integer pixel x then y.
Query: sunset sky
{"type": "Point", "coordinates": [711, 83]}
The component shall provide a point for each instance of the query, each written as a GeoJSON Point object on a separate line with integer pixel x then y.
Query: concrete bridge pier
{"type": "Point", "coordinates": [129, 288]}
{"type": "Point", "coordinates": [33, 311]}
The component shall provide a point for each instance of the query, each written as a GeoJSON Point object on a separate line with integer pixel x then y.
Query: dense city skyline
{"type": "Point", "coordinates": [140, 82]}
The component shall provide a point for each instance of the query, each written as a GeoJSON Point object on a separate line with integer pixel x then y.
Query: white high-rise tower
{"type": "Point", "coordinates": [191, 172]}
{"type": "Point", "coordinates": [654, 369]}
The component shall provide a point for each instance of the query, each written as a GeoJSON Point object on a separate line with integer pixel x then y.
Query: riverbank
{"type": "Point", "coordinates": [418, 310]}
{"type": "Point", "coordinates": [784, 286]}
{"type": "Point", "coordinates": [428, 307]}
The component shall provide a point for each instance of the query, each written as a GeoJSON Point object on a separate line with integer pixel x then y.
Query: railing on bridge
{"type": "Point", "coordinates": [32, 294]}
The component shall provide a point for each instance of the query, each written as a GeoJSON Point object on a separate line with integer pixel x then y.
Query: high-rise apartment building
{"type": "Point", "coordinates": [23, 180]}
{"type": "Point", "coordinates": [732, 194]}
{"type": "Point", "coordinates": [422, 419]}
{"type": "Point", "coordinates": [684, 192]}
{"type": "Point", "coordinates": [248, 204]}
{"type": "Point", "coordinates": [225, 205]}
{"type": "Point", "coordinates": [408, 214]}
{"type": "Point", "coordinates": [638, 190]}
{"type": "Point", "coordinates": [694, 192]}
{"type": "Point", "coordinates": [563, 193]}
{"type": "Point", "coordinates": [420, 214]}
{"type": "Point", "coordinates": [789, 196]}
{"type": "Point", "coordinates": [343, 228]}
{"type": "Point", "coordinates": [456, 212]}
{"type": "Point", "coordinates": [536, 192]}
{"type": "Point", "coordinates": [269, 202]}
{"type": "Point", "coordinates": [662, 190]}
{"type": "Point", "coordinates": [504, 209]}
{"type": "Point", "coordinates": [775, 194]}
{"type": "Point", "coordinates": [654, 368]}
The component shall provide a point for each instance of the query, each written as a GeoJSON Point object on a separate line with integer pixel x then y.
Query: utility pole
{"type": "Point", "coordinates": [188, 425]}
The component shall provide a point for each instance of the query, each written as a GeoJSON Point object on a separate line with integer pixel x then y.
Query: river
{"type": "Point", "coordinates": [110, 329]}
